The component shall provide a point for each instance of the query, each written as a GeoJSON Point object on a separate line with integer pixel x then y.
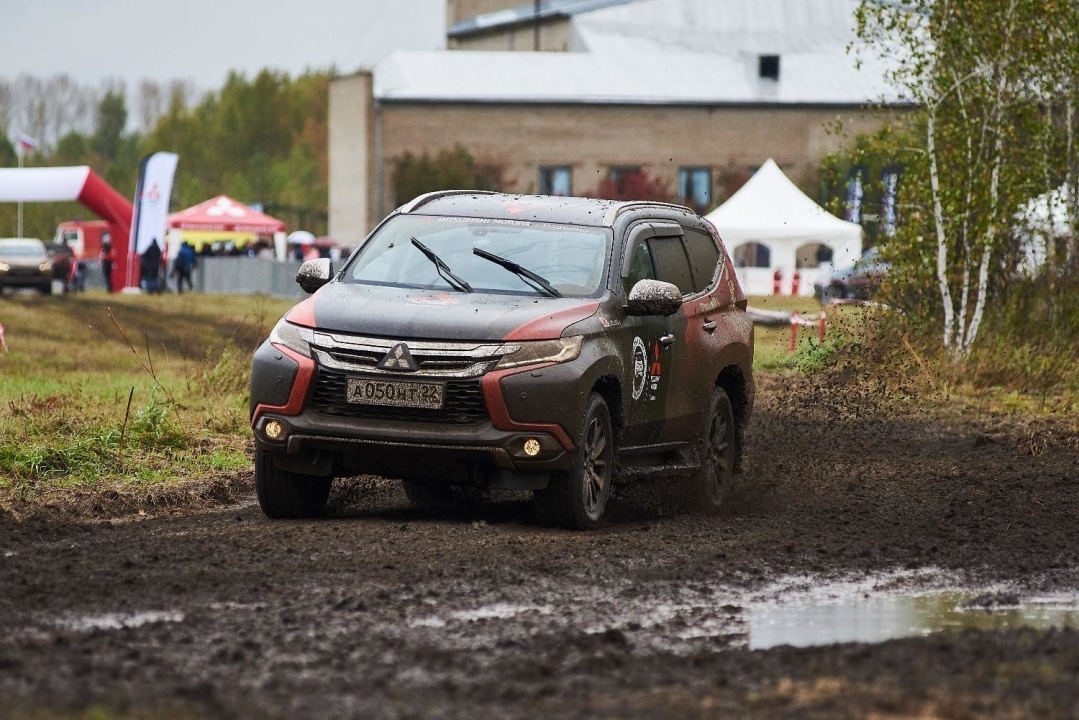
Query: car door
{"type": "Point", "coordinates": [672, 265]}
{"type": "Point", "coordinates": [646, 346]}
{"type": "Point", "coordinates": [701, 331]}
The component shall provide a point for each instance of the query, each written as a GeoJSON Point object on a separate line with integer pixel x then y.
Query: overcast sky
{"type": "Point", "coordinates": [202, 40]}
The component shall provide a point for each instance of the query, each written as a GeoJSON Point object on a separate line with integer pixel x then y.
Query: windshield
{"type": "Point", "coordinates": [571, 258]}
{"type": "Point", "coordinates": [22, 248]}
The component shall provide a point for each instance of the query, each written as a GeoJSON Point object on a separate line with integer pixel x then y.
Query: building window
{"type": "Point", "coordinates": [620, 174]}
{"type": "Point", "coordinates": [768, 67]}
{"type": "Point", "coordinates": [555, 180]}
{"type": "Point", "coordinates": [695, 187]}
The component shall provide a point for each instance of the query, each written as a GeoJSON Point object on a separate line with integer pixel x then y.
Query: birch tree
{"type": "Point", "coordinates": [981, 72]}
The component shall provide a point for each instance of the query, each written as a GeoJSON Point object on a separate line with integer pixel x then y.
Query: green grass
{"type": "Point", "coordinates": [103, 392]}
{"type": "Point", "coordinates": [128, 393]}
{"type": "Point", "coordinates": [772, 344]}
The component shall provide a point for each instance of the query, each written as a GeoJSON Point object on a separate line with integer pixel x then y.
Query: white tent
{"type": "Point", "coordinates": [770, 225]}
{"type": "Point", "coordinates": [1047, 219]}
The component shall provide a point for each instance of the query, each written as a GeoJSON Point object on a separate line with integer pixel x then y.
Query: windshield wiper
{"type": "Point", "coordinates": [443, 269]}
{"type": "Point", "coordinates": [520, 271]}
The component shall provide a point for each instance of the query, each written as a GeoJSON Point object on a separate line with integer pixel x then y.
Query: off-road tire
{"type": "Point", "coordinates": [284, 494]}
{"type": "Point", "coordinates": [710, 488]}
{"type": "Point", "coordinates": [576, 499]}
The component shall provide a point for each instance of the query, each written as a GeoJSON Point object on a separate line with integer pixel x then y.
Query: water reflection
{"type": "Point", "coordinates": [878, 618]}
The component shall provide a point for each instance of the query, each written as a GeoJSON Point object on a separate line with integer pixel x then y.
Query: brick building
{"type": "Point", "coordinates": [697, 93]}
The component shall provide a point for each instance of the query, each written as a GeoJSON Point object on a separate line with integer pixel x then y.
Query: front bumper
{"type": "Point", "coordinates": [309, 420]}
{"type": "Point", "coordinates": [366, 445]}
{"type": "Point", "coordinates": [25, 279]}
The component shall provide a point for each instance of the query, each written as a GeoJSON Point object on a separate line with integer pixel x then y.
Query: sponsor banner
{"type": "Point", "coordinates": [152, 194]}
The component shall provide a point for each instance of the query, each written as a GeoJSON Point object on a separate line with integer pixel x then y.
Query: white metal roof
{"type": "Point", "coordinates": [661, 52]}
{"type": "Point", "coordinates": [819, 78]}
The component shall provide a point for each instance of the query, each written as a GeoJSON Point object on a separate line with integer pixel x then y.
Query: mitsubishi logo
{"type": "Point", "coordinates": [398, 358]}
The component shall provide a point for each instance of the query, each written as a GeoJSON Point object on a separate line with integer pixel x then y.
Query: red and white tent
{"type": "Point", "coordinates": [223, 214]}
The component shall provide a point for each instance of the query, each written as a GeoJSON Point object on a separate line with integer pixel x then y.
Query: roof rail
{"type": "Point", "coordinates": [617, 210]}
{"type": "Point", "coordinates": [428, 197]}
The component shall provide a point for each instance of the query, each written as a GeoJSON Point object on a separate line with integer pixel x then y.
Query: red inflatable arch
{"type": "Point", "coordinates": [75, 183]}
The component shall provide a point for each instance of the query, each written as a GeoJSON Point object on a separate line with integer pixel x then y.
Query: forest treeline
{"type": "Point", "coordinates": [259, 140]}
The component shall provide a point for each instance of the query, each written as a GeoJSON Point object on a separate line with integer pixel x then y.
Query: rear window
{"type": "Point", "coordinates": [703, 258]}
{"type": "Point", "coordinates": [571, 258]}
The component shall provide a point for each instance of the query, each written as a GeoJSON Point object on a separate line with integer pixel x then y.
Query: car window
{"type": "Point", "coordinates": [671, 263]}
{"type": "Point", "coordinates": [703, 258]}
{"type": "Point", "coordinates": [571, 258]}
{"type": "Point", "coordinates": [640, 267]}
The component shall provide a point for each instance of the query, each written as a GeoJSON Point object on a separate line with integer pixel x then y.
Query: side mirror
{"type": "Point", "coordinates": [313, 274]}
{"type": "Point", "coordinates": [654, 297]}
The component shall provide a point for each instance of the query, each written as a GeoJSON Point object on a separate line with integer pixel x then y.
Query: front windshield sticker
{"type": "Point", "coordinates": [517, 223]}
{"type": "Point", "coordinates": [440, 300]}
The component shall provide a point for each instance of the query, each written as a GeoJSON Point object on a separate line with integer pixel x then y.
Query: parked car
{"type": "Point", "coordinates": [860, 281]}
{"type": "Point", "coordinates": [535, 343]}
{"type": "Point", "coordinates": [24, 262]}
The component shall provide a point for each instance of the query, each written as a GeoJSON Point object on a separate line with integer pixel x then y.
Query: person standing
{"type": "Point", "coordinates": [185, 262]}
{"type": "Point", "coordinates": [150, 267]}
{"type": "Point", "coordinates": [107, 257]}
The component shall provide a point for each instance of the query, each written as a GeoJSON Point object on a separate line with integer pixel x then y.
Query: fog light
{"type": "Point", "coordinates": [273, 429]}
{"type": "Point", "coordinates": [532, 447]}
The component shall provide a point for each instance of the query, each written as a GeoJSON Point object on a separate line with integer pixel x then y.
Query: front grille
{"type": "Point", "coordinates": [463, 402]}
{"type": "Point", "coordinates": [441, 360]}
{"type": "Point", "coordinates": [24, 271]}
{"type": "Point", "coordinates": [365, 358]}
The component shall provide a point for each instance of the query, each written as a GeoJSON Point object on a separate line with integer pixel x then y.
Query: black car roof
{"type": "Point", "coordinates": [538, 208]}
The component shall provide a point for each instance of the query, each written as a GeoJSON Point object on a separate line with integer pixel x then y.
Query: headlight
{"type": "Point", "coordinates": [4, 267]}
{"type": "Point", "coordinates": [542, 351]}
{"type": "Point", "coordinates": [294, 337]}
{"type": "Point", "coordinates": [45, 266]}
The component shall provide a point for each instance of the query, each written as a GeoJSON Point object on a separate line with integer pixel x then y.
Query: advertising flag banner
{"type": "Point", "coordinates": [152, 193]}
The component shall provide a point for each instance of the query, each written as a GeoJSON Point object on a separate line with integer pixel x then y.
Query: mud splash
{"type": "Point", "coordinates": [120, 621]}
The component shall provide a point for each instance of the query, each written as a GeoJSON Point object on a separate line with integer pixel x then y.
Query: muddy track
{"type": "Point", "coordinates": [389, 611]}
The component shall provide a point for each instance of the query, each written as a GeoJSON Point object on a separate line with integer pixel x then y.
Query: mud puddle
{"type": "Point", "coordinates": [799, 611]}
{"type": "Point", "coordinates": [875, 619]}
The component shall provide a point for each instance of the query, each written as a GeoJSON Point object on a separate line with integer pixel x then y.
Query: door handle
{"type": "Point", "coordinates": [709, 326]}
{"type": "Point", "coordinates": [666, 340]}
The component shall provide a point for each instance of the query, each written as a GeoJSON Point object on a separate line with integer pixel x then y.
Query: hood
{"type": "Point", "coordinates": [433, 315]}
{"type": "Point", "coordinates": [22, 261]}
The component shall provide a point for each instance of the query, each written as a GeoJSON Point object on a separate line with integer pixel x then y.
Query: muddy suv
{"type": "Point", "coordinates": [504, 341]}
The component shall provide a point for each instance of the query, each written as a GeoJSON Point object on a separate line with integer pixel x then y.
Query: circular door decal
{"type": "Point", "coordinates": [640, 367]}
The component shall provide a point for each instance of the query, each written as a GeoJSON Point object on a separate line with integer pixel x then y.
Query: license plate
{"type": "Point", "coordinates": [396, 393]}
